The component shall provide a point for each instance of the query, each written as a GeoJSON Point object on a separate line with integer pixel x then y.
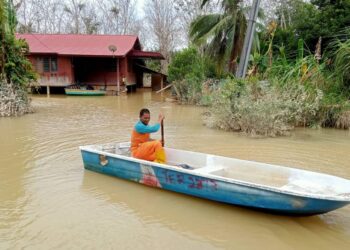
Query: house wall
{"type": "Point", "coordinates": [157, 82]}
{"type": "Point", "coordinates": [94, 74]}
{"type": "Point", "coordinates": [65, 69]}
{"type": "Point", "coordinates": [62, 77]}
{"type": "Point", "coordinates": [101, 78]}
{"type": "Point", "coordinates": [127, 73]}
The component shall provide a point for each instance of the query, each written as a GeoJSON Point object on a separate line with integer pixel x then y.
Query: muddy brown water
{"type": "Point", "coordinates": [48, 200]}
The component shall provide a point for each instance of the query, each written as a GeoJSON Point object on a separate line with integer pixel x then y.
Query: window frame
{"type": "Point", "coordinates": [49, 64]}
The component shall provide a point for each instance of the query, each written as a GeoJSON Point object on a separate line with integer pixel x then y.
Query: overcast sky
{"type": "Point", "coordinates": [140, 4]}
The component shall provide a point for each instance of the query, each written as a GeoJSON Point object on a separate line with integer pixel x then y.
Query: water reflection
{"type": "Point", "coordinates": [215, 223]}
{"type": "Point", "coordinates": [15, 161]}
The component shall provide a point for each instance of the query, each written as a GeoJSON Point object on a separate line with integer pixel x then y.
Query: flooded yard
{"type": "Point", "coordinates": [48, 200]}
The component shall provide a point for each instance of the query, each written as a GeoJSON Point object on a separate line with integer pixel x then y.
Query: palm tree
{"type": "Point", "coordinates": [3, 28]}
{"type": "Point", "coordinates": [222, 34]}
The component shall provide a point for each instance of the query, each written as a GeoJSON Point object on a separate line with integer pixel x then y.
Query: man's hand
{"type": "Point", "coordinates": [160, 117]}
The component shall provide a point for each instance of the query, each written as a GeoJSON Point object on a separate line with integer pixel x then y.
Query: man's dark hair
{"type": "Point", "coordinates": [144, 111]}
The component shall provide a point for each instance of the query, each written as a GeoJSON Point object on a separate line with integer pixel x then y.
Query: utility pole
{"type": "Point", "coordinates": [113, 49]}
{"type": "Point", "coordinates": [248, 40]}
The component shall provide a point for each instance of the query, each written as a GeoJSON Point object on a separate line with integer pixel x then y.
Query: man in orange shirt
{"type": "Point", "coordinates": [142, 146]}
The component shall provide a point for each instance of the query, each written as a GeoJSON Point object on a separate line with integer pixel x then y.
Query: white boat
{"type": "Point", "coordinates": [245, 183]}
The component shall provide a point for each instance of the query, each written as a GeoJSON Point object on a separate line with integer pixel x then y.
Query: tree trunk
{"type": "Point", "coordinates": [234, 53]}
{"type": "Point", "coordinates": [237, 40]}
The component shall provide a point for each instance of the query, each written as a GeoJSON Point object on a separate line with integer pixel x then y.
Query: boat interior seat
{"type": "Point", "coordinates": [208, 169]}
{"type": "Point", "coordinates": [113, 148]}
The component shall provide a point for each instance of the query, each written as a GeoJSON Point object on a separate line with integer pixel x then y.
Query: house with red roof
{"type": "Point", "coordinates": [111, 62]}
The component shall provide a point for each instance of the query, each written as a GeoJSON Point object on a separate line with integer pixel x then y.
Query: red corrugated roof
{"type": "Point", "coordinates": [146, 54]}
{"type": "Point", "coordinates": [82, 45]}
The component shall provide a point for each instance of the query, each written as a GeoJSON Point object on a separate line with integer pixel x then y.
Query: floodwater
{"type": "Point", "coordinates": [48, 200]}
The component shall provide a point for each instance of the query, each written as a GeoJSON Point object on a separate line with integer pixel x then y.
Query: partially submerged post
{"type": "Point", "coordinates": [248, 40]}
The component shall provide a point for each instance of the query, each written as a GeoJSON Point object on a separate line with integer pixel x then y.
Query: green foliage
{"type": "Point", "coordinates": [287, 40]}
{"type": "Point", "coordinates": [303, 21]}
{"type": "Point", "coordinates": [15, 69]}
{"type": "Point", "coordinates": [332, 17]}
{"type": "Point", "coordinates": [186, 64]}
{"type": "Point", "coordinates": [186, 72]}
{"type": "Point", "coordinates": [306, 71]}
{"type": "Point", "coordinates": [221, 34]}
{"type": "Point", "coordinates": [330, 75]}
{"type": "Point", "coordinates": [210, 69]}
{"type": "Point", "coordinates": [153, 65]}
{"type": "Point", "coordinates": [300, 49]}
{"type": "Point", "coordinates": [288, 85]}
{"type": "Point", "coordinates": [342, 63]}
{"type": "Point", "coordinates": [311, 20]}
{"type": "Point", "coordinates": [188, 91]}
{"type": "Point", "coordinates": [263, 108]}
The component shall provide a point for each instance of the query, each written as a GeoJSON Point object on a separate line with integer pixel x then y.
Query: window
{"type": "Point", "coordinates": [54, 64]}
{"type": "Point", "coordinates": [46, 64]}
{"type": "Point", "coordinates": [39, 65]}
{"type": "Point", "coordinates": [50, 64]}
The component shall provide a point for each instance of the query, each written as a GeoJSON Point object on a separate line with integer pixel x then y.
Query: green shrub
{"type": "Point", "coordinates": [15, 69]}
{"type": "Point", "coordinates": [186, 72]}
{"type": "Point", "coordinates": [188, 91]}
{"type": "Point", "coordinates": [186, 64]}
{"type": "Point", "coordinates": [13, 100]}
{"type": "Point", "coordinates": [262, 108]}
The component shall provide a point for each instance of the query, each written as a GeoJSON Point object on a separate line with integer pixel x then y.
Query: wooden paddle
{"type": "Point", "coordinates": [162, 131]}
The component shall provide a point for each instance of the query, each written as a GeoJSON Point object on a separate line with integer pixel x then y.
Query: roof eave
{"type": "Point", "coordinates": [74, 55]}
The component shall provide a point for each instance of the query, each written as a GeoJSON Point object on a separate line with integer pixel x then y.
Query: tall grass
{"type": "Point", "coordinates": [342, 62]}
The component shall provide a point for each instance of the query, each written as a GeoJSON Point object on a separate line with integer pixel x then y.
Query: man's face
{"type": "Point", "coordinates": [145, 118]}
